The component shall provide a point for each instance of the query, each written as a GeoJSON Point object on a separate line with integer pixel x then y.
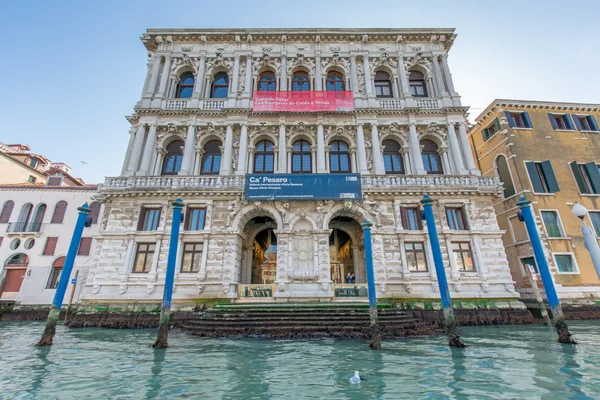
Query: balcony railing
{"type": "Point", "coordinates": [429, 104]}
{"type": "Point", "coordinates": [21, 227]}
{"type": "Point", "coordinates": [184, 104]}
{"type": "Point", "coordinates": [175, 104]}
{"type": "Point", "coordinates": [174, 182]}
{"type": "Point", "coordinates": [422, 182]}
{"type": "Point", "coordinates": [212, 104]}
{"type": "Point", "coordinates": [390, 104]}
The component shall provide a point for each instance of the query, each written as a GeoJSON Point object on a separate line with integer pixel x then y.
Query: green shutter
{"type": "Point", "coordinates": [497, 124]}
{"type": "Point", "coordinates": [578, 177]}
{"type": "Point", "coordinates": [486, 134]}
{"type": "Point", "coordinates": [592, 171]}
{"type": "Point", "coordinates": [551, 181]}
{"type": "Point", "coordinates": [534, 177]}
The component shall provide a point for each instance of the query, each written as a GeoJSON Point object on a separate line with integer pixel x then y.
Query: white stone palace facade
{"type": "Point", "coordinates": [194, 136]}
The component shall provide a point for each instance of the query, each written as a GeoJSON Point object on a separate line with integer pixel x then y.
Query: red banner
{"type": "Point", "coordinates": [303, 101]}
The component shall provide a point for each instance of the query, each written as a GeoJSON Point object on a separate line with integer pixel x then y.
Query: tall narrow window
{"type": "Point", "coordinates": [300, 82]}
{"type": "Point", "coordinates": [95, 212]}
{"type": "Point", "coordinates": [415, 256]}
{"type": "Point", "coordinates": [503, 172]}
{"type": "Point", "coordinates": [173, 158]}
{"type": "Point", "coordinates": [85, 246]}
{"type": "Point", "coordinates": [416, 81]}
{"type": "Point", "coordinates": [6, 211]}
{"type": "Point", "coordinates": [595, 218]}
{"type": "Point", "coordinates": [50, 246]}
{"type": "Point", "coordinates": [463, 256]}
{"type": "Point", "coordinates": [383, 84]}
{"type": "Point", "coordinates": [220, 86]}
{"type": "Point", "coordinates": [542, 177]}
{"type": "Point", "coordinates": [194, 218]}
{"type": "Point", "coordinates": [149, 219]}
{"type": "Point", "coordinates": [59, 212]}
{"type": "Point", "coordinates": [57, 267]}
{"type": "Point", "coordinates": [456, 218]}
{"type": "Point", "coordinates": [264, 157]}
{"type": "Point", "coordinates": [36, 224]}
{"type": "Point", "coordinates": [335, 81]}
{"type": "Point", "coordinates": [143, 257]}
{"type": "Point", "coordinates": [211, 160]}
{"type": "Point", "coordinates": [266, 82]}
{"type": "Point", "coordinates": [552, 224]}
{"type": "Point", "coordinates": [339, 157]}
{"type": "Point", "coordinates": [431, 158]}
{"type": "Point", "coordinates": [185, 87]}
{"type": "Point", "coordinates": [565, 264]}
{"type": "Point", "coordinates": [411, 218]}
{"type": "Point", "coordinates": [301, 157]}
{"type": "Point", "coordinates": [587, 177]}
{"type": "Point", "coordinates": [392, 159]}
{"type": "Point", "coordinates": [192, 257]}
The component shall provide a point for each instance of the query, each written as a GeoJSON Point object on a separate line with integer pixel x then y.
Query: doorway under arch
{"type": "Point", "coordinates": [259, 257]}
{"type": "Point", "coordinates": [346, 252]}
{"type": "Point", "coordinates": [15, 268]}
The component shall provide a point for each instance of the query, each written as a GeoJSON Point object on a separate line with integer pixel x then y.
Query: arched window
{"type": "Point", "coordinates": [18, 259]}
{"type": "Point", "coordinates": [264, 157]}
{"type": "Point", "coordinates": [300, 82]}
{"type": "Point", "coordinates": [266, 82]}
{"type": "Point", "coordinates": [185, 87]}
{"type": "Point", "coordinates": [211, 160]}
{"type": "Point", "coordinates": [6, 211]}
{"type": "Point", "coordinates": [383, 84]}
{"type": "Point", "coordinates": [335, 82]}
{"type": "Point", "coordinates": [24, 216]}
{"type": "Point", "coordinates": [173, 158]}
{"type": "Point", "coordinates": [301, 157]}
{"type": "Point", "coordinates": [392, 160]}
{"type": "Point", "coordinates": [431, 158]}
{"type": "Point", "coordinates": [59, 212]}
{"type": "Point", "coordinates": [416, 82]}
{"type": "Point", "coordinates": [503, 172]}
{"type": "Point", "coordinates": [95, 212]}
{"type": "Point", "coordinates": [339, 158]}
{"type": "Point", "coordinates": [220, 86]}
{"type": "Point", "coordinates": [36, 224]}
{"type": "Point", "coordinates": [57, 267]}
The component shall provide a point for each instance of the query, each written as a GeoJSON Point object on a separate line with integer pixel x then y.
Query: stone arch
{"type": "Point", "coordinates": [265, 68]}
{"type": "Point", "coordinates": [264, 136]}
{"type": "Point", "coordinates": [395, 137]}
{"type": "Point", "coordinates": [295, 136]}
{"type": "Point", "coordinates": [295, 222]}
{"type": "Point", "coordinates": [252, 210]}
{"type": "Point", "coordinates": [384, 68]}
{"type": "Point", "coordinates": [167, 140]}
{"type": "Point", "coordinates": [436, 137]}
{"type": "Point", "coordinates": [427, 73]}
{"type": "Point", "coordinates": [182, 69]}
{"type": "Point", "coordinates": [336, 68]}
{"type": "Point", "coordinates": [207, 138]}
{"type": "Point", "coordinates": [343, 210]}
{"type": "Point", "coordinates": [339, 136]}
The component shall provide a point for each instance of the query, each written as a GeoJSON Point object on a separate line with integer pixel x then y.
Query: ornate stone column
{"type": "Point", "coordinates": [415, 151]}
{"type": "Point", "coordinates": [368, 79]}
{"type": "Point", "coordinates": [466, 149]}
{"type": "Point", "coordinates": [189, 151]}
{"type": "Point", "coordinates": [354, 76]}
{"type": "Point", "coordinates": [283, 75]}
{"type": "Point", "coordinates": [164, 78]}
{"type": "Point", "coordinates": [447, 74]}
{"type": "Point", "coordinates": [134, 161]}
{"type": "Point", "coordinates": [443, 152]}
{"type": "Point", "coordinates": [321, 167]}
{"type": "Point", "coordinates": [199, 82]}
{"type": "Point", "coordinates": [236, 77]}
{"type": "Point", "coordinates": [160, 155]}
{"type": "Point", "coordinates": [404, 85]}
{"type": "Point", "coordinates": [148, 151]}
{"type": "Point", "coordinates": [361, 149]}
{"type": "Point", "coordinates": [128, 152]}
{"type": "Point", "coordinates": [459, 167]}
{"type": "Point", "coordinates": [248, 78]}
{"type": "Point", "coordinates": [243, 151]}
{"type": "Point", "coordinates": [154, 78]}
{"type": "Point", "coordinates": [404, 153]}
{"type": "Point", "coordinates": [318, 75]}
{"type": "Point", "coordinates": [437, 77]}
{"type": "Point", "coordinates": [282, 156]}
{"type": "Point", "coordinates": [377, 156]}
{"type": "Point", "coordinates": [227, 151]}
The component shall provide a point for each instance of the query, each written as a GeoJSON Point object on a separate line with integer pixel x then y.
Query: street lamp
{"type": "Point", "coordinates": [589, 239]}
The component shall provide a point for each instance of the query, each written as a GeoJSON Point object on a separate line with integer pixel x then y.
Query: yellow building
{"type": "Point", "coordinates": [550, 153]}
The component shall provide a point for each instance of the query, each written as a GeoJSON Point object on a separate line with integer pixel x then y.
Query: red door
{"type": "Point", "coordinates": [13, 280]}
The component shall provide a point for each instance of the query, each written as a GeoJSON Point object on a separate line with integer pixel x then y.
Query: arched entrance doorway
{"type": "Point", "coordinates": [346, 251]}
{"type": "Point", "coordinates": [259, 259]}
{"type": "Point", "coordinates": [14, 273]}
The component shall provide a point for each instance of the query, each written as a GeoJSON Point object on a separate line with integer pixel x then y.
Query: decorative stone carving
{"type": "Point", "coordinates": [150, 289]}
{"type": "Point", "coordinates": [408, 287]}
{"type": "Point", "coordinates": [360, 71]}
{"type": "Point", "coordinates": [200, 289]}
{"type": "Point", "coordinates": [373, 208]}
{"type": "Point", "coordinates": [96, 289]}
{"type": "Point", "coordinates": [381, 287]}
{"type": "Point", "coordinates": [457, 287]}
{"type": "Point", "coordinates": [122, 289]}
{"type": "Point", "coordinates": [234, 208]}
{"type": "Point", "coordinates": [304, 275]}
{"type": "Point", "coordinates": [485, 287]}
{"type": "Point", "coordinates": [226, 288]}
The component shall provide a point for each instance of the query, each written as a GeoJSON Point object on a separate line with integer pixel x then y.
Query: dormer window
{"type": "Point", "coordinates": [55, 180]}
{"type": "Point", "coordinates": [34, 162]}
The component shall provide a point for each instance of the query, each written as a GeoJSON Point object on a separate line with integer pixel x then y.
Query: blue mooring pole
{"type": "Point", "coordinates": [165, 311]}
{"type": "Point", "coordinates": [65, 275]}
{"type": "Point", "coordinates": [557, 314]}
{"type": "Point", "coordinates": [449, 321]}
{"type": "Point", "coordinates": [375, 334]}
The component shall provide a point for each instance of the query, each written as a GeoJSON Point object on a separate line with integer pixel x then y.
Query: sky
{"type": "Point", "coordinates": [70, 71]}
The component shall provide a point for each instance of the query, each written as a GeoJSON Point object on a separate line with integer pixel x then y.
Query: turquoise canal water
{"type": "Point", "coordinates": [503, 362]}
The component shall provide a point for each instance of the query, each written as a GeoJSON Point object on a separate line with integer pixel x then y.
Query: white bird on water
{"type": "Point", "coordinates": [355, 378]}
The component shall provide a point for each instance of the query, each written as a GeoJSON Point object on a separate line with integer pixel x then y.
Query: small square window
{"type": "Point", "coordinates": [463, 256]}
{"type": "Point", "coordinates": [565, 263]}
{"type": "Point", "coordinates": [415, 256]}
{"type": "Point", "coordinates": [530, 262]}
{"type": "Point", "coordinates": [192, 257]}
{"type": "Point", "coordinates": [149, 219]}
{"type": "Point", "coordinates": [195, 218]}
{"type": "Point", "coordinates": [456, 218]}
{"type": "Point", "coordinates": [31, 179]}
{"type": "Point", "coordinates": [411, 218]}
{"type": "Point", "coordinates": [143, 257]}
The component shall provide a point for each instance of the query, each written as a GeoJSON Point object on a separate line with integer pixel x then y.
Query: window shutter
{"type": "Point", "coordinates": [95, 212]}
{"type": "Point", "coordinates": [527, 120]}
{"type": "Point", "coordinates": [6, 211]}
{"type": "Point", "coordinates": [59, 212]}
{"type": "Point", "coordinates": [534, 176]}
{"type": "Point", "coordinates": [577, 123]}
{"type": "Point", "coordinates": [552, 121]}
{"type": "Point", "coordinates": [50, 246]}
{"type": "Point", "coordinates": [592, 122]}
{"type": "Point", "coordinates": [592, 171]}
{"type": "Point", "coordinates": [486, 135]}
{"type": "Point", "coordinates": [568, 121]}
{"type": "Point", "coordinates": [550, 177]}
{"type": "Point", "coordinates": [510, 120]}
{"type": "Point", "coordinates": [497, 124]}
{"type": "Point", "coordinates": [84, 246]}
{"type": "Point", "coordinates": [578, 178]}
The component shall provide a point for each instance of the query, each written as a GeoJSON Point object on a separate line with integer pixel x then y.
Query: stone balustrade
{"type": "Point", "coordinates": [428, 103]}
{"type": "Point", "coordinates": [425, 182]}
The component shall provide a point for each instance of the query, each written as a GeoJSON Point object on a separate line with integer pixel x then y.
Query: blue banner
{"type": "Point", "coordinates": [302, 187]}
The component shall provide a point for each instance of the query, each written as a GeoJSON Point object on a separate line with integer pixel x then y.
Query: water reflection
{"type": "Point", "coordinates": [154, 381]}
{"type": "Point", "coordinates": [458, 371]}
